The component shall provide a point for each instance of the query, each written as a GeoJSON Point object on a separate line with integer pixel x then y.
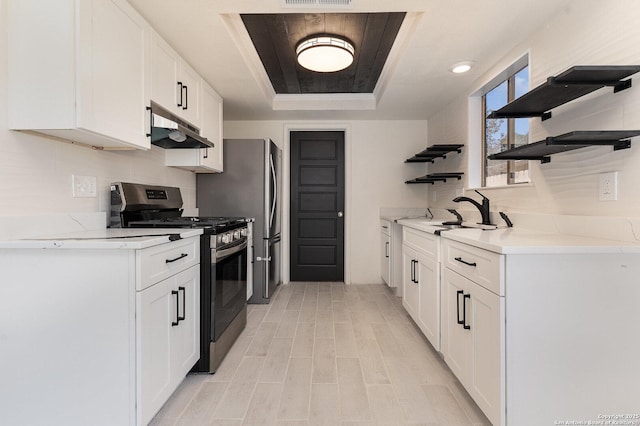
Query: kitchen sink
{"type": "Point", "coordinates": [448, 226]}
{"type": "Point", "coordinates": [453, 225]}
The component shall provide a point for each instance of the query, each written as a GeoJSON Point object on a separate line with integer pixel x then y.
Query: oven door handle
{"type": "Point", "coordinates": [221, 254]}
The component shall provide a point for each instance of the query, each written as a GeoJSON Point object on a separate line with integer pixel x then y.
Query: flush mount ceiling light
{"type": "Point", "coordinates": [461, 67]}
{"type": "Point", "coordinates": [325, 53]}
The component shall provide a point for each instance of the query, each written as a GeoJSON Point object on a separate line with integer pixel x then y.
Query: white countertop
{"type": "Point", "coordinates": [395, 218]}
{"type": "Point", "coordinates": [524, 241]}
{"type": "Point", "coordinates": [521, 241]}
{"type": "Point", "coordinates": [111, 238]}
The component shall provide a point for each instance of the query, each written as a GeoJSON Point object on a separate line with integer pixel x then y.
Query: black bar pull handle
{"type": "Point", "coordinates": [386, 249]}
{"type": "Point", "coordinates": [458, 293]}
{"type": "Point", "coordinates": [177, 258]}
{"type": "Point", "coordinates": [184, 303]}
{"type": "Point", "coordinates": [206, 153]}
{"type": "Point", "coordinates": [174, 323]}
{"type": "Point", "coordinates": [417, 271]}
{"type": "Point", "coordinates": [464, 311]}
{"type": "Point", "coordinates": [186, 97]}
{"type": "Point", "coordinates": [459, 259]}
{"type": "Point", "coordinates": [180, 86]}
{"type": "Point", "coordinates": [412, 270]}
{"type": "Point", "coordinates": [150, 121]}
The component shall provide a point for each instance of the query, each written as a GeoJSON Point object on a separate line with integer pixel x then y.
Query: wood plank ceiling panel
{"type": "Point", "coordinates": [275, 37]}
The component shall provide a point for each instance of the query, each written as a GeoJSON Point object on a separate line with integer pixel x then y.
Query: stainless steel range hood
{"type": "Point", "coordinates": [171, 132]}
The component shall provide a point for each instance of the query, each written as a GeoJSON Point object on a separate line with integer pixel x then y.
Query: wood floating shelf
{"type": "Point", "coordinates": [541, 150]}
{"type": "Point", "coordinates": [436, 177]}
{"type": "Point", "coordinates": [433, 152]}
{"type": "Point", "coordinates": [573, 83]}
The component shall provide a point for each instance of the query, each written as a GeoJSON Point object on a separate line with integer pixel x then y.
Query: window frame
{"type": "Point", "coordinates": [511, 132]}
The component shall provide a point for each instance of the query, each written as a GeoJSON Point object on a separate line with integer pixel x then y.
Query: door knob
{"type": "Point", "coordinates": [340, 214]}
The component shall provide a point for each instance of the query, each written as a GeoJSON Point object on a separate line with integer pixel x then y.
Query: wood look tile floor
{"type": "Point", "coordinates": [326, 354]}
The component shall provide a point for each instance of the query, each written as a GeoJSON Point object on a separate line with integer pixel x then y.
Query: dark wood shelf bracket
{"type": "Point", "coordinates": [541, 150]}
{"type": "Point", "coordinates": [433, 152]}
{"type": "Point", "coordinates": [573, 83]}
{"type": "Point", "coordinates": [436, 177]}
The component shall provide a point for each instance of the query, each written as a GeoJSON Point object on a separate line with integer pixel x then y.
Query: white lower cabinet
{"type": "Point", "coordinates": [385, 251]}
{"type": "Point", "coordinates": [90, 334]}
{"type": "Point", "coordinates": [167, 322]}
{"type": "Point", "coordinates": [421, 281]}
{"type": "Point", "coordinates": [523, 331]}
{"type": "Point", "coordinates": [410, 291]}
{"type": "Point", "coordinates": [473, 340]}
{"type": "Point", "coordinates": [429, 298]}
{"type": "Point", "coordinates": [473, 324]}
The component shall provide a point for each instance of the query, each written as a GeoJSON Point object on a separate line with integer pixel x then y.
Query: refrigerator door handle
{"type": "Point", "coordinates": [275, 190]}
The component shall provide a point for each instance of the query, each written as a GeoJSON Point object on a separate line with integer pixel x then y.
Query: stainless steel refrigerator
{"type": "Point", "coordinates": [249, 187]}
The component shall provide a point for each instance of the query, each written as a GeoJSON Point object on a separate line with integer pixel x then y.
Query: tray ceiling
{"type": "Point", "coordinates": [275, 37]}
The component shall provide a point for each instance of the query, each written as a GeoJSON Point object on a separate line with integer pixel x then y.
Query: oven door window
{"type": "Point", "coordinates": [229, 276]}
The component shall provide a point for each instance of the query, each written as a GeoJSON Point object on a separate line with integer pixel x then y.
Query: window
{"type": "Point", "coordinates": [502, 134]}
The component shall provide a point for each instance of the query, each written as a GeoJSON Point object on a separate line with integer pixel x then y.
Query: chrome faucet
{"type": "Point", "coordinates": [483, 208]}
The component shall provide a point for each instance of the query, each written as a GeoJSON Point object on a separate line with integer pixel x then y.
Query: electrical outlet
{"type": "Point", "coordinates": [84, 186]}
{"type": "Point", "coordinates": [608, 186]}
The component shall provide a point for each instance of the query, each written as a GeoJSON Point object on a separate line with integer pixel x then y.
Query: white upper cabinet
{"type": "Point", "coordinates": [189, 87]}
{"type": "Point", "coordinates": [203, 160]}
{"type": "Point", "coordinates": [165, 74]}
{"type": "Point", "coordinates": [212, 127]}
{"type": "Point", "coordinates": [80, 70]}
{"type": "Point", "coordinates": [175, 85]}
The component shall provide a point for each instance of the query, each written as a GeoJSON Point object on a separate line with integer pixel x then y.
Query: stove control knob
{"type": "Point", "coordinates": [244, 232]}
{"type": "Point", "coordinates": [226, 238]}
{"type": "Point", "coordinates": [236, 234]}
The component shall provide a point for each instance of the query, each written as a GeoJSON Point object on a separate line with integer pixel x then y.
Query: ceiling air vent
{"type": "Point", "coordinates": [318, 3]}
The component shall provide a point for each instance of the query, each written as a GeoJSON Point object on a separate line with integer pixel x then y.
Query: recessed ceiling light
{"type": "Point", "coordinates": [325, 53]}
{"type": "Point", "coordinates": [461, 67]}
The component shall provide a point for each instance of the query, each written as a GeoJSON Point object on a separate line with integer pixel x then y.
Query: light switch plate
{"type": "Point", "coordinates": [84, 186]}
{"type": "Point", "coordinates": [608, 186]}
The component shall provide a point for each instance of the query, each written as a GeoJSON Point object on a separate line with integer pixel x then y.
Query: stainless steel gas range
{"type": "Point", "coordinates": [223, 261]}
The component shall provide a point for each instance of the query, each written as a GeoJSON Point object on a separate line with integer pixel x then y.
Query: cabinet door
{"type": "Point", "coordinates": [156, 311]}
{"type": "Point", "coordinates": [456, 341]}
{"type": "Point", "coordinates": [185, 337]}
{"type": "Point", "coordinates": [385, 257]}
{"type": "Point", "coordinates": [113, 71]}
{"type": "Point", "coordinates": [410, 288]}
{"type": "Point", "coordinates": [165, 74]}
{"type": "Point", "coordinates": [211, 128]}
{"type": "Point", "coordinates": [189, 99]}
{"type": "Point", "coordinates": [175, 85]}
{"type": "Point", "coordinates": [486, 319]}
{"type": "Point", "coordinates": [429, 299]}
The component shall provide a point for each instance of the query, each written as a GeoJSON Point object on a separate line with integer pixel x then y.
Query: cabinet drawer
{"type": "Point", "coordinates": [423, 242]}
{"type": "Point", "coordinates": [480, 266]}
{"type": "Point", "coordinates": [385, 226]}
{"type": "Point", "coordinates": [156, 263]}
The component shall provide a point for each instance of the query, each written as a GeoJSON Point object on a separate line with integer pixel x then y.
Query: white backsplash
{"type": "Point", "coordinates": [21, 227]}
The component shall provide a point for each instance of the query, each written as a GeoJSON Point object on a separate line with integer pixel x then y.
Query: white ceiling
{"type": "Point", "coordinates": [416, 81]}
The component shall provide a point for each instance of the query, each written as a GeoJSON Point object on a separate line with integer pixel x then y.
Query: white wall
{"type": "Point", "coordinates": [588, 32]}
{"type": "Point", "coordinates": [35, 172]}
{"type": "Point", "coordinates": [375, 176]}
